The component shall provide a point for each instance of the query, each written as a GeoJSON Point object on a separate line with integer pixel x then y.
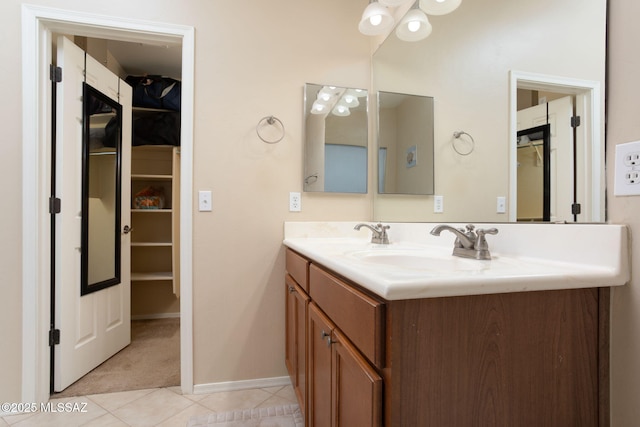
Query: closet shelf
{"type": "Point", "coordinates": [151, 177]}
{"type": "Point", "coordinates": [156, 211]}
{"type": "Point", "coordinates": [153, 276]}
{"type": "Point", "coordinates": [152, 244]}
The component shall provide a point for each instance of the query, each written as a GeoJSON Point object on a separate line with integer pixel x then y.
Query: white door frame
{"type": "Point", "coordinates": [588, 92]}
{"type": "Point", "coordinates": [38, 24]}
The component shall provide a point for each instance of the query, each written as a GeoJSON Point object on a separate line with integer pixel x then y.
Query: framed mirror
{"type": "Point", "coordinates": [336, 139]}
{"type": "Point", "coordinates": [405, 144]}
{"type": "Point", "coordinates": [101, 191]}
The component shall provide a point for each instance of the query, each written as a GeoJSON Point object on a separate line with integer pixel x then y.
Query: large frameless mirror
{"type": "Point", "coordinates": [476, 63]}
{"type": "Point", "coordinates": [405, 144]}
{"type": "Point", "coordinates": [101, 189]}
{"type": "Point", "coordinates": [336, 139]}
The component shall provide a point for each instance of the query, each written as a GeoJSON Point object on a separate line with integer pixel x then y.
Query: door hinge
{"type": "Point", "coordinates": [576, 208]}
{"type": "Point", "coordinates": [575, 121]}
{"type": "Point", "coordinates": [54, 205]}
{"type": "Point", "coordinates": [55, 73]}
{"type": "Point", "coordinates": [54, 337]}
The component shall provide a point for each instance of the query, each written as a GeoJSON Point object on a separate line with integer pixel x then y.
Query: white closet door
{"type": "Point", "coordinates": [558, 116]}
{"type": "Point", "coordinates": [97, 325]}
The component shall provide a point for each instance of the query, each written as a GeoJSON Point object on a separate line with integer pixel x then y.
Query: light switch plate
{"type": "Point", "coordinates": [438, 204]}
{"type": "Point", "coordinates": [204, 201]}
{"type": "Point", "coordinates": [501, 204]}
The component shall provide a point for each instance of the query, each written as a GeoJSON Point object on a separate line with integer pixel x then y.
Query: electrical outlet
{"type": "Point", "coordinates": [438, 204]}
{"type": "Point", "coordinates": [501, 205]}
{"type": "Point", "coordinates": [627, 169]}
{"type": "Point", "coordinates": [295, 204]}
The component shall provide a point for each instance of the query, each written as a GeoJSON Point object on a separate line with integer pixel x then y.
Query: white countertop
{"type": "Point", "coordinates": [525, 257]}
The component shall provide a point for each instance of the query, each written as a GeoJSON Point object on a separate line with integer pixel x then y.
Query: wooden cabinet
{"type": "Point", "coordinates": [340, 387]}
{"type": "Point", "coordinates": [297, 303]}
{"type": "Point", "coordinates": [344, 389]}
{"type": "Point", "coordinates": [155, 232]}
{"type": "Point", "coordinates": [296, 317]}
{"type": "Point", "coordinates": [512, 359]}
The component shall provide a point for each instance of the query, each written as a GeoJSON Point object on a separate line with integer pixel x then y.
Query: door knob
{"type": "Point", "coordinates": [127, 229]}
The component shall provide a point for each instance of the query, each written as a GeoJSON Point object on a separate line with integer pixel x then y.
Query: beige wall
{"type": "Point", "coordinates": [252, 59]}
{"type": "Point", "coordinates": [623, 126]}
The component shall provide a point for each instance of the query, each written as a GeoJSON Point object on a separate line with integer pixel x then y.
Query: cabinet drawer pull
{"type": "Point", "coordinates": [291, 289]}
{"type": "Point", "coordinates": [327, 336]}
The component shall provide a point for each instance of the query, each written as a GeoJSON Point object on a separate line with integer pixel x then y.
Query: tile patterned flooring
{"type": "Point", "coordinates": [161, 407]}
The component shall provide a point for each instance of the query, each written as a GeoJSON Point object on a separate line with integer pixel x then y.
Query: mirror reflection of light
{"type": "Point", "coordinates": [325, 96]}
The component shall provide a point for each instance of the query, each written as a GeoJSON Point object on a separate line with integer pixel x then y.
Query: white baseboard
{"type": "Point", "coordinates": [155, 316]}
{"type": "Point", "coordinates": [241, 385]}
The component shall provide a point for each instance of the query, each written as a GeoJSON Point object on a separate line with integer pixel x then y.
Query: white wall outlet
{"type": "Point", "coordinates": [501, 205]}
{"type": "Point", "coordinates": [627, 169]}
{"type": "Point", "coordinates": [204, 201]}
{"type": "Point", "coordinates": [438, 204]}
{"type": "Point", "coordinates": [295, 205]}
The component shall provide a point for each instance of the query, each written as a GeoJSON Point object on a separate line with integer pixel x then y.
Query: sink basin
{"type": "Point", "coordinates": [420, 260]}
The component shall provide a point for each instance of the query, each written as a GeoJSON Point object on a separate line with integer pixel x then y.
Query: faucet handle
{"type": "Point", "coordinates": [382, 236]}
{"type": "Point", "coordinates": [482, 241]}
{"type": "Point", "coordinates": [487, 231]}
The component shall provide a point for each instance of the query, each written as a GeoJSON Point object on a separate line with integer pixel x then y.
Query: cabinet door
{"type": "Point", "coordinates": [297, 303]}
{"type": "Point", "coordinates": [357, 387]}
{"type": "Point", "coordinates": [320, 329]}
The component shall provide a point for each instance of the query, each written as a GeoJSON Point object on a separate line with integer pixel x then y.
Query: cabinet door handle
{"type": "Point", "coordinates": [127, 229]}
{"type": "Point", "coordinates": [327, 336]}
{"type": "Point", "coordinates": [291, 289]}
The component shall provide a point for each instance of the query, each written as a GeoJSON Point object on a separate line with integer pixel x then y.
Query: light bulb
{"type": "Point", "coordinates": [375, 20]}
{"type": "Point", "coordinates": [325, 96]}
{"type": "Point", "coordinates": [413, 26]}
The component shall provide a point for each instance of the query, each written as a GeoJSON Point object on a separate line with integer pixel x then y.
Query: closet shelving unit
{"type": "Point", "coordinates": [155, 236]}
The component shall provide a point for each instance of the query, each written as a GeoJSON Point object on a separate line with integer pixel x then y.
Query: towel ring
{"type": "Point", "coordinates": [457, 135]}
{"type": "Point", "coordinates": [269, 120]}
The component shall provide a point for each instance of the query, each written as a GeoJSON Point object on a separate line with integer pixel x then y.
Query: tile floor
{"type": "Point", "coordinates": [152, 407]}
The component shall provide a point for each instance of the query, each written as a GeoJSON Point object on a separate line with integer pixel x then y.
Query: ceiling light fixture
{"type": "Point", "coordinates": [376, 19]}
{"type": "Point", "coordinates": [439, 7]}
{"type": "Point", "coordinates": [414, 26]}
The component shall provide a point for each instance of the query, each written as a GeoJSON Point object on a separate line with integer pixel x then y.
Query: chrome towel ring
{"type": "Point", "coordinates": [457, 135]}
{"type": "Point", "coordinates": [270, 121]}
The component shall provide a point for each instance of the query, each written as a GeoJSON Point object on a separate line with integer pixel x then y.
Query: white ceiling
{"type": "Point", "coordinates": [140, 59]}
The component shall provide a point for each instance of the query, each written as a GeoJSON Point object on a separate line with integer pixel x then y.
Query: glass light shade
{"type": "Point", "coordinates": [376, 20]}
{"type": "Point", "coordinates": [341, 110]}
{"type": "Point", "coordinates": [331, 90]}
{"type": "Point", "coordinates": [439, 7]}
{"type": "Point", "coordinates": [358, 93]}
{"type": "Point", "coordinates": [319, 108]}
{"type": "Point", "coordinates": [392, 3]}
{"type": "Point", "coordinates": [350, 101]}
{"type": "Point", "coordinates": [414, 26]}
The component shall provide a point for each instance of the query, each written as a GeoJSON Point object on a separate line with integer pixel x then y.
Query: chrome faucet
{"type": "Point", "coordinates": [378, 232]}
{"type": "Point", "coordinates": [470, 243]}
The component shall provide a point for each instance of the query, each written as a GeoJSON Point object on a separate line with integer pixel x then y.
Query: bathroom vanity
{"type": "Point", "coordinates": [489, 352]}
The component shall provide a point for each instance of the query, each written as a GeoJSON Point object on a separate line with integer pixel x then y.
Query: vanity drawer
{"type": "Point", "coordinates": [298, 267]}
{"type": "Point", "coordinates": [359, 316]}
